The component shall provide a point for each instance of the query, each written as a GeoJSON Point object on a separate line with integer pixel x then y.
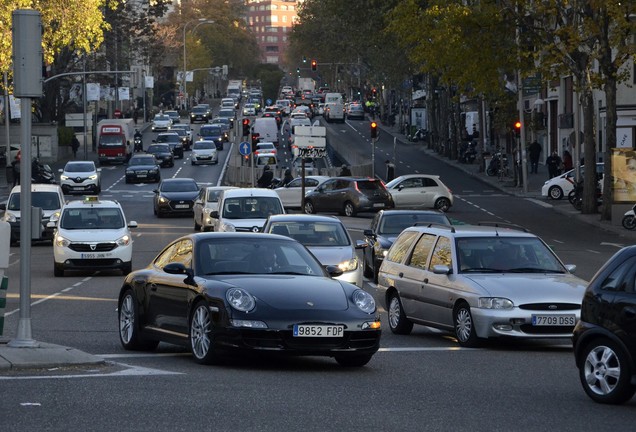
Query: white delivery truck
{"type": "Point", "coordinates": [334, 108]}
{"type": "Point", "coordinates": [234, 89]}
{"type": "Point", "coordinates": [267, 129]}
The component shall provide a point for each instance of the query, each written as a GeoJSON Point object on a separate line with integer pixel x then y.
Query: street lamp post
{"type": "Point", "coordinates": [199, 21]}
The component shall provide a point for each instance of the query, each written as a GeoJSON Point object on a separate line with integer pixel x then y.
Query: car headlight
{"type": "Point", "coordinates": [349, 265]}
{"type": "Point", "coordinates": [228, 227]}
{"type": "Point", "coordinates": [61, 241]}
{"type": "Point", "coordinates": [124, 240]}
{"type": "Point", "coordinates": [364, 301]}
{"type": "Point", "coordinates": [63, 177]}
{"type": "Point", "coordinates": [129, 171]}
{"type": "Point", "coordinates": [163, 200]}
{"type": "Point", "coordinates": [240, 299]}
{"type": "Point", "coordinates": [93, 177]}
{"type": "Point", "coordinates": [495, 303]}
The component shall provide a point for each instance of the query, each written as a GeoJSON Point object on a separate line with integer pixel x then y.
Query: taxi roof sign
{"type": "Point", "coordinates": [91, 199]}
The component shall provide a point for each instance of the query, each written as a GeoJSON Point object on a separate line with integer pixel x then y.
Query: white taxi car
{"type": "Point", "coordinates": [161, 122]}
{"type": "Point", "coordinates": [92, 234]}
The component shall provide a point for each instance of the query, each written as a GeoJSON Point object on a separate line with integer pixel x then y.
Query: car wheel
{"type": "Point", "coordinates": [58, 270]}
{"type": "Point", "coordinates": [398, 322]}
{"type": "Point", "coordinates": [201, 335]}
{"type": "Point", "coordinates": [98, 190]}
{"type": "Point", "coordinates": [127, 268]}
{"type": "Point", "coordinates": [129, 333]}
{"type": "Point", "coordinates": [353, 360]}
{"type": "Point", "coordinates": [465, 326]}
{"type": "Point", "coordinates": [605, 372]}
{"type": "Point", "coordinates": [349, 209]}
{"type": "Point", "coordinates": [555, 193]}
{"type": "Point", "coordinates": [309, 207]}
{"type": "Point", "coordinates": [442, 204]}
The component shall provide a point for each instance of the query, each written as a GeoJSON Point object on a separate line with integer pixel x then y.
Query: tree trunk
{"type": "Point", "coordinates": [610, 142]}
{"type": "Point", "coordinates": [590, 181]}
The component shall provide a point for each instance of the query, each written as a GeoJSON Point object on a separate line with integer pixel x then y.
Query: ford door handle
{"type": "Point", "coordinates": [401, 274]}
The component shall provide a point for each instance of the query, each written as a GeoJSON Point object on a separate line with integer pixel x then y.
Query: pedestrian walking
{"type": "Point", "coordinates": [15, 168]}
{"type": "Point", "coordinates": [534, 151]}
{"type": "Point", "coordinates": [554, 164]}
{"type": "Point", "coordinates": [75, 145]}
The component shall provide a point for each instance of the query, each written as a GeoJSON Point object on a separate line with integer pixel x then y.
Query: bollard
{"type": "Point", "coordinates": [5, 236]}
{"type": "Point", "coordinates": [4, 285]}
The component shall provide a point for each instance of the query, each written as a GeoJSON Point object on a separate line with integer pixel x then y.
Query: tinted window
{"type": "Point", "coordinates": [142, 161]}
{"type": "Point", "coordinates": [180, 186]}
{"type": "Point", "coordinates": [442, 255]}
{"type": "Point", "coordinates": [619, 279]}
{"type": "Point", "coordinates": [401, 246]}
{"type": "Point", "coordinates": [369, 185]}
{"type": "Point", "coordinates": [79, 167]}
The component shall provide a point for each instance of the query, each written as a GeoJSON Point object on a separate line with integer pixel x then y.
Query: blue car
{"type": "Point", "coordinates": [213, 132]}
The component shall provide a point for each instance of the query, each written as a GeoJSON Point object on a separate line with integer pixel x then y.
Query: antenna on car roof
{"type": "Point", "coordinates": [503, 225]}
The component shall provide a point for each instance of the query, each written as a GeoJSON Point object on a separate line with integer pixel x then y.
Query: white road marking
{"type": "Point", "coordinates": [592, 251]}
{"type": "Point", "coordinates": [617, 245]}
{"type": "Point", "coordinates": [130, 371]}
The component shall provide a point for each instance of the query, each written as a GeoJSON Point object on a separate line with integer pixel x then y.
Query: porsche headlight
{"type": "Point", "coordinates": [61, 241]}
{"type": "Point", "coordinates": [364, 301]}
{"type": "Point", "coordinates": [240, 299]}
{"type": "Point", "coordinates": [495, 303]}
{"type": "Point", "coordinates": [349, 265]}
{"type": "Point", "coordinates": [124, 240]}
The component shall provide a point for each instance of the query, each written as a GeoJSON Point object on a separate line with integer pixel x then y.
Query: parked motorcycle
{"type": "Point", "coordinates": [576, 195]}
{"type": "Point", "coordinates": [418, 135]}
{"type": "Point", "coordinates": [498, 165]}
{"type": "Point", "coordinates": [629, 219]}
{"type": "Point", "coordinates": [41, 173]}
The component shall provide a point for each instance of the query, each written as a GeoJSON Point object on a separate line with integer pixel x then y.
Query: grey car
{"type": "Point", "coordinates": [479, 282]}
{"type": "Point", "coordinates": [348, 196]}
{"type": "Point", "coordinates": [326, 237]}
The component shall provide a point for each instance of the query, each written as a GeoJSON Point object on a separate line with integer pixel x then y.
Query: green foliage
{"type": "Point", "coordinates": [270, 77]}
{"type": "Point", "coordinates": [65, 136]}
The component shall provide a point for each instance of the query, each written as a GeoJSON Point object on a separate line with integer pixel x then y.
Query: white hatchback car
{"type": "Point", "coordinates": [204, 151]}
{"type": "Point", "coordinates": [561, 186]}
{"type": "Point", "coordinates": [92, 234]}
{"type": "Point", "coordinates": [245, 209]}
{"type": "Point", "coordinates": [161, 122]}
{"type": "Point", "coordinates": [420, 191]}
{"type": "Point", "coordinates": [206, 202]}
{"type": "Point", "coordinates": [80, 176]}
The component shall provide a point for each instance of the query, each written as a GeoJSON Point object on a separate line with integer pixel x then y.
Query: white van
{"type": "Point", "coordinates": [267, 129]}
{"type": "Point", "coordinates": [334, 108]}
{"type": "Point", "coordinates": [245, 209]}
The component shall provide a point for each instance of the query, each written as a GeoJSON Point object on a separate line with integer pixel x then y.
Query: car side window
{"type": "Point", "coordinates": [328, 186]}
{"type": "Point", "coordinates": [618, 280]}
{"type": "Point", "coordinates": [442, 254]}
{"type": "Point", "coordinates": [421, 251]}
{"type": "Point", "coordinates": [341, 184]}
{"type": "Point", "coordinates": [164, 257]}
{"type": "Point", "coordinates": [401, 246]}
{"type": "Point", "coordinates": [295, 183]}
{"type": "Point", "coordinates": [429, 182]}
{"type": "Point", "coordinates": [374, 222]}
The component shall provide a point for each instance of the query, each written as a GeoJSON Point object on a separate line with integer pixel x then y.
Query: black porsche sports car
{"type": "Point", "coordinates": [255, 292]}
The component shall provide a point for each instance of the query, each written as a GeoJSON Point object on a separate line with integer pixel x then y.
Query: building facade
{"type": "Point", "coordinates": [271, 22]}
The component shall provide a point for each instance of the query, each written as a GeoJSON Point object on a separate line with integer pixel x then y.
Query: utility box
{"type": "Point", "coordinates": [27, 53]}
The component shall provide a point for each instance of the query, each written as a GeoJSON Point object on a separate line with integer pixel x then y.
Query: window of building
{"type": "Point", "coordinates": [271, 48]}
{"type": "Point", "coordinates": [272, 39]}
{"type": "Point", "coordinates": [274, 18]}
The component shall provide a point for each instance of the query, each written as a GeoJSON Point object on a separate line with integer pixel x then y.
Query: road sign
{"type": "Point", "coordinates": [314, 131]}
{"type": "Point", "coordinates": [245, 148]}
{"type": "Point", "coordinates": [309, 141]}
{"type": "Point", "coordinates": [269, 101]}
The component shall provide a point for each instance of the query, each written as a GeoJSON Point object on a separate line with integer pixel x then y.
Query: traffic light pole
{"type": "Point", "coordinates": [373, 140]}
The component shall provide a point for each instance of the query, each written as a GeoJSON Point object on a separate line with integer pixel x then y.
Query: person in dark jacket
{"type": "Point", "coordinates": [554, 164]}
{"type": "Point", "coordinates": [345, 171]}
{"type": "Point", "coordinates": [265, 180]}
{"type": "Point", "coordinates": [287, 178]}
{"type": "Point", "coordinates": [534, 151]}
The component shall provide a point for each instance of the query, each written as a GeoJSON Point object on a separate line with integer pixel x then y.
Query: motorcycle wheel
{"type": "Point", "coordinates": [572, 196]}
{"type": "Point", "coordinates": [629, 222]}
{"type": "Point", "coordinates": [491, 171]}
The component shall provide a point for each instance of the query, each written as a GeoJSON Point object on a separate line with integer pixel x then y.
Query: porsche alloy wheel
{"type": "Point", "coordinates": [201, 336]}
{"type": "Point", "coordinates": [129, 333]}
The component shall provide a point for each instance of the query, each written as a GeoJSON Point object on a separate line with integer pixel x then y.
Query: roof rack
{"type": "Point", "coordinates": [503, 225]}
{"type": "Point", "coordinates": [435, 225]}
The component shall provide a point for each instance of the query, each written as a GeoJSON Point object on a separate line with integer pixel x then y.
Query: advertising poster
{"type": "Point", "coordinates": [92, 91]}
{"type": "Point", "coordinates": [624, 174]}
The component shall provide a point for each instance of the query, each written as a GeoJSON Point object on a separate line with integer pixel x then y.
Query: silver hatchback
{"type": "Point", "coordinates": [479, 282]}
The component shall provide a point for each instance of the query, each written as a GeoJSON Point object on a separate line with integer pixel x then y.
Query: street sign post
{"type": "Point", "coordinates": [245, 148]}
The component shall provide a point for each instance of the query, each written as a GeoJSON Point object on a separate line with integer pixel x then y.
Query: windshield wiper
{"type": "Point", "coordinates": [532, 270]}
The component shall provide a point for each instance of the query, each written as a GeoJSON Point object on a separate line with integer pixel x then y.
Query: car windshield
{"type": "Point", "coordinates": [251, 255]}
{"type": "Point", "coordinates": [203, 145]}
{"type": "Point", "coordinates": [506, 254]}
{"type": "Point", "coordinates": [79, 167]}
{"type": "Point", "coordinates": [395, 224]}
{"type": "Point", "coordinates": [213, 195]}
{"type": "Point", "coordinates": [179, 186]}
{"type": "Point", "coordinates": [158, 149]}
{"type": "Point", "coordinates": [226, 113]}
{"type": "Point", "coordinates": [92, 218]}
{"type": "Point", "coordinates": [111, 141]}
{"type": "Point", "coordinates": [44, 200]}
{"type": "Point", "coordinates": [198, 110]}
{"type": "Point", "coordinates": [313, 233]}
{"type": "Point", "coordinates": [161, 118]}
{"type": "Point", "coordinates": [369, 185]}
{"type": "Point", "coordinates": [251, 207]}
{"type": "Point", "coordinates": [209, 131]}
{"type": "Point", "coordinates": [141, 161]}
{"type": "Point", "coordinates": [168, 138]}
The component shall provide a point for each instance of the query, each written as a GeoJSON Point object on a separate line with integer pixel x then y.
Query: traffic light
{"type": "Point", "coordinates": [246, 127]}
{"type": "Point", "coordinates": [298, 71]}
{"type": "Point", "coordinates": [374, 129]}
{"type": "Point", "coordinates": [255, 140]}
{"type": "Point", "coordinates": [314, 65]}
{"type": "Point", "coordinates": [517, 128]}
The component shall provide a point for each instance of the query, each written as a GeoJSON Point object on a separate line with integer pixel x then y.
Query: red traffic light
{"type": "Point", "coordinates": [246, 121]}
{"type": "Point", "coordinates": [517, 125]}
{"type": "Point", "coordinates": [314, 65]}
